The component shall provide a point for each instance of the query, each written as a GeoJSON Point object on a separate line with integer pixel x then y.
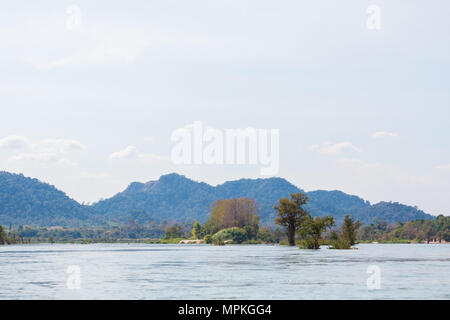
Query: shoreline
{"type": "Point", "coordinates": [195, 242]}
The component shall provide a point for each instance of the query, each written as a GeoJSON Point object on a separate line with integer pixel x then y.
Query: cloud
{"type": "Point", "coordinates": [126, 153]}
{"type": "Point", "coordinates": [47, 150]}
{"type": "Point", "coordinates": [131, 152]}
{"type": "Point", "coordinates": [14, 142]}
{"type": "Point", "coordinates": [337, 148]}
{"type": "Point", "coordinates": [384, 135]}
{"type": "Point", "coordinates": [444, 168]}
{"type": "Point", "coordinates": [62, 146]}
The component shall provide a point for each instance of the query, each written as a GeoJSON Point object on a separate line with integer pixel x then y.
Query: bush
{"type": "Point", "coordinates": [265, 235]}
{"type": "Point", "coordinates": [307, 243]}
{"type": "Point", "coordinates": [340, 244]}
{"type": "Point", "coordinates": [238, 235]}
{"type": "Point", "coordinates": [208, 239]}
{"type": "Point", "coordinates": [218, 242]}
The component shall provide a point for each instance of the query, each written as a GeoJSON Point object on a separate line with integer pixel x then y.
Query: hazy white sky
{"type": "Point", "coordinates": [91, 109]}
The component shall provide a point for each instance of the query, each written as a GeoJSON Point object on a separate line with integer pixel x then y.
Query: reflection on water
{"type": "Point", "coordinates": [140, 271]}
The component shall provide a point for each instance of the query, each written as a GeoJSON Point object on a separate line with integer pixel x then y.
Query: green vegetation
{"type": "Point", "coordinates": [175, 199]}
{"type": "Point", "coordinates": [174, 232]}
{"type": "Point", "coordinates": [349, 229]}
{"type": "Point", "coordinates": [3, 236]}
{"type": "Point", "coordinates": [347, 236]}
{"type": "Point", "coordinates": [237, 235]}
{"type": "Point", "coordinates": [304, 217]}
{"type": "Point", "coordinates": [412, 231]}
{"type": "Point", "coordinates": [298, 221]}
{"type": "Point", "coordinates": [25, 201]}
{"type": "Point", "coordinates": [196, 230]}
{"type": "Point", "coordinates": [231, 221]}
{"type": "Point", "coordinates": [229, 213]}
{"type": "Point", "coordinates": [312, 230]}
{"type": "Point", "coordinates": [10, 237]}
{"type": "Point", "coordinates": [340, 244]}
{"type": "Point", "coordinates": [208, 239]}
{"type": "Point", "coordinates": [291, 214]}
{"type": "Point", "coordinates": [132, 231]}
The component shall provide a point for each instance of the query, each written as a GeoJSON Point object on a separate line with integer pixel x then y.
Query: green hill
{"type": "Point", "coordinates": [26, 201]}
{"type": "Point", "coordinates": [173, 197]}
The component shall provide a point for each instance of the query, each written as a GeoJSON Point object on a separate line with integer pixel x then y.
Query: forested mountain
{"type": "Point", "coordinates": [178, 198]}
{"type": "Point", "coordinates": [172, 197]}
{"type": "Point", "coordinates": [390, 212]}
{"type": "Point", "coordinates": [322, 202]}
{"type": "Point", "coordinates": [175, 197]}
{"type": "Point", "coordinates": [26, 201]}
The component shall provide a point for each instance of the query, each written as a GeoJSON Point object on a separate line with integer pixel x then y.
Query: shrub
{"type": "Point", "coordinates": [340, 244]}
{"type": "Point", "coordinates": [265, 235]}
{"type": "Point", "coordinates": [307, 243]}
{"type": "Point", "coordinates": [238, 235]}
{"type": "Point", "coordinates": [218, 242]}
{"type": "Point", "coordinates": [208, 239]}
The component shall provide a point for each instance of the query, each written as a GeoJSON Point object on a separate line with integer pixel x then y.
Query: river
{"type": "Point", "coordinates": [154, 271]}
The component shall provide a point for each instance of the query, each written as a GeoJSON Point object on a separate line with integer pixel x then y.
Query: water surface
{"type": "Point", "coordinates": [151, 271]}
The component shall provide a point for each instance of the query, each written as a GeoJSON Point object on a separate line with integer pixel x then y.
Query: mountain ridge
{"type": "Point", "coordinates": [174, 197]}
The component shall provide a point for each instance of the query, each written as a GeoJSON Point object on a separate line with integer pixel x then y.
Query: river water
{"type": "Point", "coordinates": [153, 271]}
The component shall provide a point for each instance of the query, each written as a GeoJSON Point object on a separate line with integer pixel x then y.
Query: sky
{"type": "Point", "coordinates": [91, 93]}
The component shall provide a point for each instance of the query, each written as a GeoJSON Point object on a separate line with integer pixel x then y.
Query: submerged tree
{"type": "Point", "coordinates": [312, 231]}
{"type": "Point", "coordinates": [350, 228]}
{"type": "Point", "coordinates": [291, 214]}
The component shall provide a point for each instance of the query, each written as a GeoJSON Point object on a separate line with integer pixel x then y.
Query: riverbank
{"type": "Point", "coordinates": [183, 241]}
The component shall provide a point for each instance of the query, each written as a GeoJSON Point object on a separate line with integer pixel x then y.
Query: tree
{"type": "Point", "coordinates": [174, 232]}
{"type": "Point", "coordinates": [248, 231]}
{"type": "Point", "coordinates": [291, 214]}
{"type": "Point", "coordinates": [312, 231]}
{"type": "Point", "coordinates": [197, 231]}
{"type": "Point", "coordinates": [265, 235]}
{"type": "Point", "coordinates": [229, 213]}
{"type": "Point", "coordinates": [254, 226]}
{"type": "Point", "coordinates": [3, 236]}
{"type": "Point", "coordinates": [350, 228]}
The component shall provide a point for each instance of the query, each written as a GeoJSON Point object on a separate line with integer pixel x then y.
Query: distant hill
{"type": "Point", "coordinates": [175, 197]}
{"type": "Point", "coordinates": [172, 197]}
{"type": "Point", "coordinates": [29, 201]}
{"type": "Point", "coordinates": [26, 201]}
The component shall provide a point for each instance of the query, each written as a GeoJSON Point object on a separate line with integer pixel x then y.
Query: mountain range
{"type": "Point", "coordinates": [27, 201]}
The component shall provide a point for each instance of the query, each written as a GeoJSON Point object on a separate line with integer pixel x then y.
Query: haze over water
{"type": "Point", "coordinates": [144, 271]}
